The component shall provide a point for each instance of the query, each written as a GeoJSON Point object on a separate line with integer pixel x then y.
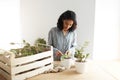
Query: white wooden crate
{"type": "Point", "coordinates": [24, 67]}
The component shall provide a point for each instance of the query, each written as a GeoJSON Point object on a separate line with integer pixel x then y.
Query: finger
{"type": "Point", "coordinates": [60, 53]}
{"type": "Point", "coordinates": [56, 54]}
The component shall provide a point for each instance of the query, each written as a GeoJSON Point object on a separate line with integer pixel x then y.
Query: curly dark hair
{"type": "Point", "coordinates": [67, 15]}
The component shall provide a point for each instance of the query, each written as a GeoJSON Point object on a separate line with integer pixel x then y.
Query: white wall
{"type": "Point", "coordinates": [107, 29]}
{"type": "Point", "coordinates": [39, 16]}
{"type": "Point", "coordinates": [9, 22]}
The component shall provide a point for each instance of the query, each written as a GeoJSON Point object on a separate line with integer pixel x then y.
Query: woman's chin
{"type": "Point", "coordinates": [65, 29]}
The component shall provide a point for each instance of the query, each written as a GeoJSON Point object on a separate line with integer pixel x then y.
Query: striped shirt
{"type": "Point", "coordinates": [62, 42]}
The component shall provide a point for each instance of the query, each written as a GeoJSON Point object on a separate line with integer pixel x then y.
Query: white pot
{"type": "Point", "coordinates": [66, 63]}
{"type": "Point", "coordinates": [80, 67]}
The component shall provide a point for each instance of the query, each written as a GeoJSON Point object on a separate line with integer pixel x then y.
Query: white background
{"type": "Point", "coordinates": [98, 23]}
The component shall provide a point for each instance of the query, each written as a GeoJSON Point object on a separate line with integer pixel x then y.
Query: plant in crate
{"type": "Point", "coordinates": [38, 47]}
{"type": "Point", "coordinates": [41, 45]}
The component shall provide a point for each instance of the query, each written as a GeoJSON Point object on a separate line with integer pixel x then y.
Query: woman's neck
{"type": "Point", "coordinates": [64, 32]}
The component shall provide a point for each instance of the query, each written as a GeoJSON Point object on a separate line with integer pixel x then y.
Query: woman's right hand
{"type": "Point", "coordinates": [58, 53]}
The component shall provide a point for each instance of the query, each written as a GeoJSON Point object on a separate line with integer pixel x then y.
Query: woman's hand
{"type": "Point", "coordinates": [58, 53]}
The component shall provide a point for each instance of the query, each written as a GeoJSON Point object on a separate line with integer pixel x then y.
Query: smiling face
{"type": "Point", "coordinates": [67, 24]}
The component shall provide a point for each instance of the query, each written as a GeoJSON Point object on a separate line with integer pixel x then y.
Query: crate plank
{"type": "Point", "coordinates": [5, 75]}
{"type": "Point", "coordinates": [31, 58]}
{"type": "Point", "coordinates": [5, 59]}
{"type": "Point", "coordinates": [33, 65]}
{"type": "Point", "coordinates": [32, 73]}
{"type": "Point", "coordinates": [5, 67]}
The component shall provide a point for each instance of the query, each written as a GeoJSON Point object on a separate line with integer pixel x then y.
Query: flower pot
{"type": "Point", "coordinates": [66, 63]}
{"type": "Point", "coordinates": [80, 67]}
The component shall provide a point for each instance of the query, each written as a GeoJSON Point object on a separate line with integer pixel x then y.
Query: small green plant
{"type": "Point", "coordinates": [79, 53]}
{"type": "Point", "coordinates": [66, 56]}
{"type": "Point", "coordinates": [40, 41]}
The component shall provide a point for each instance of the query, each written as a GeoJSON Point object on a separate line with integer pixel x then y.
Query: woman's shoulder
{"type": "Point", "coordinates": [54, 29]}
{"type": "Point", "coordinates": [73, 32]}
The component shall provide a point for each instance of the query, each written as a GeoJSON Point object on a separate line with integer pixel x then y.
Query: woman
{"type": "Point", "coordinates": [63, 37]}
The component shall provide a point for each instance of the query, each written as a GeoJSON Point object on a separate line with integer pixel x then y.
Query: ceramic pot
{"type": "Point", "coordinates": [66, 63]}
{"type": "Point", "coordinates": [80, 67]}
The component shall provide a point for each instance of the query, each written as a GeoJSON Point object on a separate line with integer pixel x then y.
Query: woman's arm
{"type": "Point", "coordinates": [51, 36]}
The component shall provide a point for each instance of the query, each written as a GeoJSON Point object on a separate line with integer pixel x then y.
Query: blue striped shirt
{"type": "Point", "coordinates": [62, 42]}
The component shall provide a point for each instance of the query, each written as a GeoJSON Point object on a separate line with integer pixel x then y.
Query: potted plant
{"type": "Point", "coordinates": [81, 56]}
{"type": "Point", "coordinates": [66, 60]}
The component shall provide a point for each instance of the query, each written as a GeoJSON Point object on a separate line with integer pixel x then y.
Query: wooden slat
{"type": "Point", "coordinates": [5, 75]}
{"type": "Point", "coordinates": [27, 59]}
{"type": "Point", "coordinates": [4, 59]}
{"type": "Point", "coordinates": [32, 73]}
{"type": "Point", "coordinates": [5, 67]}
{"type": "Point", "coordinates": [30, 66]}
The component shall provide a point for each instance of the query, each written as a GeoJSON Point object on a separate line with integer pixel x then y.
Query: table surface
{"type": "Point", "coordinates": [93, 72]}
